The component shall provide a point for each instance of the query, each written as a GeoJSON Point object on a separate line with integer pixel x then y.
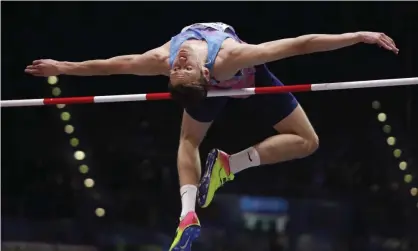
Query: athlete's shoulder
{"type": "Point", "coordinates": [225, 64]}
{"type": "Point", "coordinates": [162, 51]}
{"type": "Point", "coordinates": [160, 56]}
{"type": "Point", "coordinates": [165, 47]}
{"type": "Point", "coordinates": [229, 46]}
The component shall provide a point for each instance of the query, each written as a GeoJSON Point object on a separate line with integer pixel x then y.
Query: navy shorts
{"type": "Point", "coordinates": [274, 106]}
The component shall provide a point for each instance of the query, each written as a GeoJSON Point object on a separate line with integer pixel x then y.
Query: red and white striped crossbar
{"type": "Point", "coordinates": [214, 93]}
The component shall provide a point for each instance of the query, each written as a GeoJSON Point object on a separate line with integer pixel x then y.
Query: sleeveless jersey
{"type": "Point", "coordinates": [214, 34]}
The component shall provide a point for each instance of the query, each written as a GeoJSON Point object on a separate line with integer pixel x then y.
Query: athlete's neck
{"type": "Point", "coordinates": [201, 56]}
{"type": "Point", "coordinates": [198, 49]}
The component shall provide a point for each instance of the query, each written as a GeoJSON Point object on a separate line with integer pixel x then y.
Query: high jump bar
{"type": "Point", "coordinates": [214, 93]}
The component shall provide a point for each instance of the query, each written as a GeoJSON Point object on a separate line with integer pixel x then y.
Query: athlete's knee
{"type": "Point", "coordinates": [311, 144]}
{"type": "Point", "coordinates": [297, 123]}
{"type": "Point", "coordinates": [190, 139]}
{"type": "Point", "coordinates": [307, 145]}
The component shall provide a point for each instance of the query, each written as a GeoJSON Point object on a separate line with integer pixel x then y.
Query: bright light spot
{"type": "Point", "coordinates": [52, 80]}
{"type": "Point", "coordinates": [89, 183]}
{"type": "Point", "coordinates": [60, 106]}
{"type": "Point", "coordinates": [407, 178]}
{"type": "Point", "coordinates": [83, 169]}
{"type": "Point", "coordinates": [79, 155]}
{"type": "Point", "coordinates": [74, 142]}
{"type": "Point", "coordinates": [391, 141]}
{"type": "Point", "coordinates": [403, 165]}
{"type": "Point", "coordinates": [69, 129]}
{"type": "Point", "coordinates": [100, 212]}
{"type": "Point", "coordinates": [397, 153]}
{"type": "Point", "coordinates": [414, 191]}
{"type": "Point", "coordinates": [381, 117]}
{"type": "Point", "coordinates": [376, 105]}
{"type": "Point", "coordinates": [56, 91]}
{"type": "Point", "coordinates": [387, 128]}
{"type": "Point", "coordinates": [65, 116]}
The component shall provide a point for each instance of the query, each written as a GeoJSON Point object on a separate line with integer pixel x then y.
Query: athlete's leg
{"type": "Point", "coordinates": [297, 139]}
{"type": "Point", "coordinates": [194, 126]}
{"type": "Point", "coordinates": [188, 160]}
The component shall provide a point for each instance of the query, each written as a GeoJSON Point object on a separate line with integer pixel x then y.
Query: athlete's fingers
{"type": "Point", "coordinates": [32, 71]}
{"type": "Point", "coordinates": [37, 62]}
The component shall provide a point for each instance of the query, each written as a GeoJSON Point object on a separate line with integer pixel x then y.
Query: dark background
{"type": "Point", "coordinates": [131, 147]}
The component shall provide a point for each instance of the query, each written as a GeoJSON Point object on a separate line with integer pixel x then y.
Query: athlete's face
{"type": "Point", "coordinates": [186, 67]}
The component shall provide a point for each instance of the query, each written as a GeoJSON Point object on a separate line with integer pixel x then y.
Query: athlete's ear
{"type": "Point", "coordinates": [206, 73]}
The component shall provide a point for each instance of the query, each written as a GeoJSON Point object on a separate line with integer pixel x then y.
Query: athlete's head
{"type": "Point", "coordinates": [188, 78]}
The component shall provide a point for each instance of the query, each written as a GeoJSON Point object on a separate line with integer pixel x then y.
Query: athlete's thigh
{"type": "Point", "coordinates": [196, 121]}
{"type": "Point", "coordinates": [273, 107]}
{"type": "Point", "coordinates": [297, 122]}
{"type": "Point", "coordinates": [193, 130]}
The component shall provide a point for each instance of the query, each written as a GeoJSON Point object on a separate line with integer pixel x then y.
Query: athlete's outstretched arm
{"type": "Point", "coordinates": [149, 63]}
{"type": "Point", "coordinates": [245, 55]}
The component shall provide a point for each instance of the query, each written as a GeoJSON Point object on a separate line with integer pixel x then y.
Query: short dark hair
{"type": "Point", "coordinates": [190, 94]}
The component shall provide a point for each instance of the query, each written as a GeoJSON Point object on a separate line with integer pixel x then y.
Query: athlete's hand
{"type": "Point", "coordinates": [43, 68]}
{"type": "Point", "coordinates": [378, 38]}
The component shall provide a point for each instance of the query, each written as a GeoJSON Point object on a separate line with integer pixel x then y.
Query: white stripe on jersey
{"type": "Point", "coordinates": [217, 26]}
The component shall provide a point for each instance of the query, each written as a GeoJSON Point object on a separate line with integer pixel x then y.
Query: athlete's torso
{"type": "Point", "coordinates": [209, 39]}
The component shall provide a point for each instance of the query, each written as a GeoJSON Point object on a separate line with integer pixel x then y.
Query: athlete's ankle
{"type": "Point", "coordinates": [243, 160]}
{"type": "Point", "coordinates": [188, 199]}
